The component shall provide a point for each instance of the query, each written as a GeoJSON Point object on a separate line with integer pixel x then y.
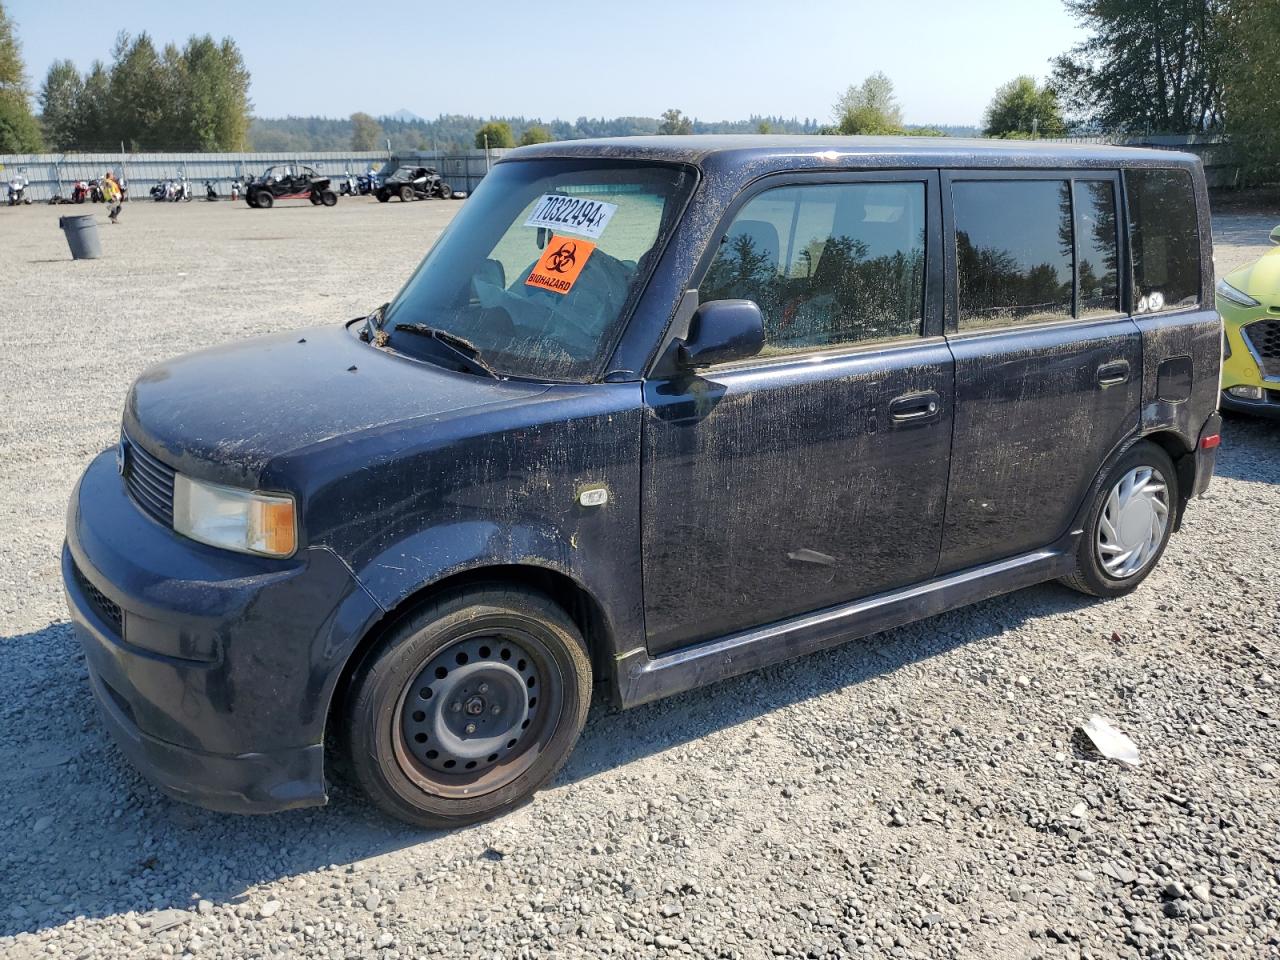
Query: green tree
{"type": "Point", "coordinates": [535, 134]}
{"type": "Point", "coordinates": [1020, 107]}
{"type": "Point", "coordinates": [869, 108]}
{"type": "Point", "coordinates": [140, 107]}
{"type": "Point", "coordinates": [212, 94]}
{"type": "Point", "coordinates": [366, 132]}
{"type": "Point", "coordinates": [1146, 66]}
{"type": "Point", "coordinates": [675, 123]}
{"type": "Point", "coordinates": [95, 110]}
{"type": "Point", "coordinates": [61, 99]}
{"type": "Point", "coordinates": [495, 133]}
{"type": "Point", "coordinates": [1251, 96]}
{"type": "Point", "coordinates": [19, 130]}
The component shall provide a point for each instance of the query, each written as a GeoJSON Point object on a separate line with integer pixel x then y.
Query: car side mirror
{"type": "Point", "coordinates": [1275, 235]}
{"type": "Point", "coordinates": [721, 331]}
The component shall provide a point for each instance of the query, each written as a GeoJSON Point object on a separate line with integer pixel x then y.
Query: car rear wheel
{"type": "Point", "coordinates": [1128, 525]}
{"type": "Point", "coordinates": [314, 198]}
{"type": "Point", "coordinates": [444, 190]}
{"type": "Point", "coordinates": [467, 707]}
{"type": "Point", "coordinates": [265, 199]}
{"type": "Point", "coordinates": [406, 193]}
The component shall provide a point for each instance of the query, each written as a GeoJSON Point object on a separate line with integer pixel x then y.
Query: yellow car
{"type": "Point", "coordinates": [1249, 301]}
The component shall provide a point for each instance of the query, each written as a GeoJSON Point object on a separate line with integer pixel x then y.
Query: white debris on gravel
{"type": "Point", "coordinates": [907, 796]}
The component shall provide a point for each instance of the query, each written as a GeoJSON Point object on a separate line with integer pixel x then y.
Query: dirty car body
{"type": "Point", "coordinates": [694, 515]}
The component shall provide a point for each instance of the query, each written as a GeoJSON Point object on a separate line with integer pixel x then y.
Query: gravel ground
{"type": "Point", "coordinates": [921, 794]}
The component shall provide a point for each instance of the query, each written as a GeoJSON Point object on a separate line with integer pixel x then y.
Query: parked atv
{"type": "Point", "coordinates": [289, 181]}
{"type": "Point", "coordinates": [414, 183]}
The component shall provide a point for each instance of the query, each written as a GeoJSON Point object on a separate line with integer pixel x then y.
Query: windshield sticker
{"type": "Point", "coordinates": [559, 267]}
{"type": "Point", "coordinates": [580, 215]}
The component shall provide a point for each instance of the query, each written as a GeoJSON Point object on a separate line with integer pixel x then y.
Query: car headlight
{"type": "Point", "coordinates": [235, 519]}
{"type": "Point", "coordinates": [1227, 292]}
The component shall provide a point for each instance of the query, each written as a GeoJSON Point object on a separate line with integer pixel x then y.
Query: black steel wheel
{"type": "Point", "coordinates": [468, 707]}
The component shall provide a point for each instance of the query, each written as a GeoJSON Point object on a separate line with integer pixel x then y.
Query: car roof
{"type": "Point", "coordinates": [770, 154]}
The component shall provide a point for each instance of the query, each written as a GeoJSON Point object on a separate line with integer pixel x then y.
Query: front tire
{"type": "Point", "coordinates": [406, 193]}
{"type": "Point", "coordinates": [265, 200]}
{"type": "Point", "coordinates": [328, 198]}
{"type": "Point", "coordinates": [467, 707]}
{"type": "Point", "coordinates": [1128, 524]}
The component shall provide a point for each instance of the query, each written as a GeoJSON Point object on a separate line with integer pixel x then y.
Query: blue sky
{"type": "Point", "coordinates": [714, 60]}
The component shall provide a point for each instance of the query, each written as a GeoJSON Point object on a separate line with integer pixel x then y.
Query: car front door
{"type": "Point", "coordinates": [1048, 366]}
{"type": "Point", "coordinates": [816, 472]}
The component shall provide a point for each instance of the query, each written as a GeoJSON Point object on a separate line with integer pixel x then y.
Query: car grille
{"type": "Point", "coordinates": [107, 609]}
{"type": "Point", "coordinates": [1263, 336]}
{"type": "Point", "coordinates": [148, 481]}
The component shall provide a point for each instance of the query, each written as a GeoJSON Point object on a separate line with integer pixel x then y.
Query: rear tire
{"type": "Point", "coordinates": [467, 707]}
{"type": "Point", "coordinates": [1128, 524]}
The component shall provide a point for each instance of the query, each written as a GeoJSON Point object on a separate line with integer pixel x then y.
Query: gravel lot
{"type": "Point", "coordinates": [921, 794]}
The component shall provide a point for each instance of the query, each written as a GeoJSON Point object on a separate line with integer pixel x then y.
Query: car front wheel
{"type": "Point", "coordinates": [466, 708]}
{"type": "Point", "coordinates": [265, 200]}
{"type": "Point", "coordinates": [1128, 525]}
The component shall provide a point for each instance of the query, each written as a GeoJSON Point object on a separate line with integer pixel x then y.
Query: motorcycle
{"type": "Point", "coordinates": [350, 186]}
{"type": "Point", "coordinates": [182, 190]}
{"type": "Point", "coordinates": [367, 183]}
{"type": "Point", "coordinates": [160, 191]}
{"type": "Point", "coordinates": [95, 191]}
{"type": "Point", "coordinates": [235, 190]}
{"type": "Point", "coordinates": [80, 191]}
{"type": "Point", "coordinates": [210, 192]}
{"type": "Point", "coordinates": [18, 190]}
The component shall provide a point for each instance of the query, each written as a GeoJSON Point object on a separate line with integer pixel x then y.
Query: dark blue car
{"type": "Point", "coordinates": [651, 413]}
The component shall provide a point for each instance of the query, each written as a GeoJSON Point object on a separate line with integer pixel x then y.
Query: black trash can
{"type": "Point", "coordinates": [82, 236]}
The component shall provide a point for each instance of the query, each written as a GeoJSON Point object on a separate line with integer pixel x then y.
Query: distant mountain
{"type": "Point", "coordinates": [450, 132]}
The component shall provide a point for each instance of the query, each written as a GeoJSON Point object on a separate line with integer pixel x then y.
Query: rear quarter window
{"type": "Point", "coordinates": [1164, 238]}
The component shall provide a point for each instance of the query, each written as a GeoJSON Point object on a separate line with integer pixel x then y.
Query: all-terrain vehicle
{"type": "Point", "coordinates": [414, 183]}
{"type": "Point", "coordinates": [289, 181]}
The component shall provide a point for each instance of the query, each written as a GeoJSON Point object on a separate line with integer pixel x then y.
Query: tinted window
{"type": "Point", "coordinates": [1096, 249]}
{"type": "Point", "coordinates": [1165, 239]}
{"type": "Point", "coordinates": [829, 264]}
{"type": "Point", "coordinates": [1013, 247]}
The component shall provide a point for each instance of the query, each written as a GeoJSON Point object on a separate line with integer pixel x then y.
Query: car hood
{"type": "Point", "coordinates": [1260, 279]}
{"type": "Point", "coordinates": [226, 413]}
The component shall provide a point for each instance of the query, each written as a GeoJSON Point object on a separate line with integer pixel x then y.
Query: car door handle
{"type": "Point", "coordinates": [915, 407]}
{"type": "Point", "coordinates": [1109, 374]}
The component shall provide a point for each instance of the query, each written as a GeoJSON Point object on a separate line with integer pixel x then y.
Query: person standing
{"type": "Point", "coordinates": [112, 193]}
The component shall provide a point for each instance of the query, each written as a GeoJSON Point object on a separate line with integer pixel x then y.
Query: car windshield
{"type": "Point", "coordinates": [541, 266]}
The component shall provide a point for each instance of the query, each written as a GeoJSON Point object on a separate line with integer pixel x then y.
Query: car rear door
{"type": "Point", "coordinates": [816, 472]}
{"type": "Point", "coordinates": [1048, 366]}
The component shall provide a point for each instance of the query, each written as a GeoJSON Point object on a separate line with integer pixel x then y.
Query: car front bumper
{"type": "Point", "coordinates": [213, 670]}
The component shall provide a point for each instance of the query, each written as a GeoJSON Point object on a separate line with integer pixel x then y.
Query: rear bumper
{"type": "Point", "coordinates": [213, 670]}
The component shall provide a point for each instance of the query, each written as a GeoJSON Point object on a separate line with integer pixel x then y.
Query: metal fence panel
{"type": "Point", "coordinates": [53, 174]}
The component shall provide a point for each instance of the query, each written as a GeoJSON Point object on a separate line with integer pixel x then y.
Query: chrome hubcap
{"type": "Point", "coordinates": [1133, 522]}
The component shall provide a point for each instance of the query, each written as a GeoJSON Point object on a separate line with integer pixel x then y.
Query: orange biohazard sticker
{"type": "Point", "coordinates": [559, 267]}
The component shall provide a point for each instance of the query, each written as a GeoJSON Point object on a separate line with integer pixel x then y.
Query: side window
{"type": "Point", "coordinates": [1098, 258]}
{"type": "Point", "coordinates": [1013, 251]}
{"type": "Point", "coordinates": [1165, 239]}
{"type": "Point", "coordinates": [829, 264]}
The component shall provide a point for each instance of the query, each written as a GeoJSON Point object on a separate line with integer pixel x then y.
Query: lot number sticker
{"type": "Point", "coordinates": [559, 267]}
{"type": "Point", "coordinates": [580, 215]}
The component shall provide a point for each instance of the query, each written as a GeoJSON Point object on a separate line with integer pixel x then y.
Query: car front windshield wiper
{"type": "Point", "coordinates": [457, 345]}
{"type": "Point", "coordinates": [373, 323]}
